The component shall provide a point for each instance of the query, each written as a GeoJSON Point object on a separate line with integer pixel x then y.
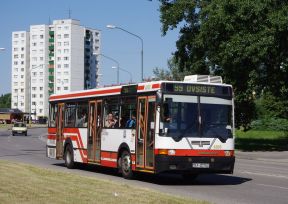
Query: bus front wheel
{"type": "Point", "coordinates": [126, 165]}
{"type": "Point", "coordinates": [69, 158]}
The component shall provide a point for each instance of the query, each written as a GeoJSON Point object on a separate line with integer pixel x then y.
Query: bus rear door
{"type": "Point", "coordinates": [94, 131]}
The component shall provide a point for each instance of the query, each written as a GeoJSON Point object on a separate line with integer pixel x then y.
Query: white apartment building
{"type": "Point", "coordinates": [20, 71]}
{"type": "Point", "coordinates": [39, 70]}
{"type": "Point", "coordinates": [61, 57]}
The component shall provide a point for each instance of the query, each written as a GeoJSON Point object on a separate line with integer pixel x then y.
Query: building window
{"type": "Point", "coordinates": [41, 95]}
{"type": "Point", "coordinates": [22, 35]}
{"type": "Point", "coordinates": [34, 96]}
{"type": "Point", "coordinates": [22, 62]}
{"type": "Point", "coordinates": [41, 102]}
{"type": "Point", "coordinates": [66, 35]}
{"type": "Point", "coordinates": [15, 49]}
{"type": "Point", "coordinates": [66, 43]}
{"type": "Point", "coordinates": [34, 37]}
{"type": "Point", "coordinates": [58, 88]}
{"type": "Point", "coordinates": [15, 62]}
{"type": "Point", "coordinates": [41, 58]}
{"type": "Point", "coordinates": [41, 80]}
{"type": "Point", "coordinates": [15, 76]}
{"type": "Point", "coordinates": [41, 74]}
{"type": "Point", "coordinates": [34, 44]}
{"type": "Point", "coordinates": [22, 56]}
{"type": "Point", "coordinates": [66, 65]}
{"type": "Point", "coordinates": [66, 58]}
{"type": "Point", "coordinates": [41, 36]}
{"type": "Point", "coordinates": [22, 48]}
{"type": "Point", "coordinates": [66, 51]}
{"type": "Point", "coordinates": [34, 88]}
{"type": "Point", "coordinates": [65, 88]}
{"type": "Point", "coordinates": [66, 28]}
{"type": "Point", "coordinates": [41, 88]}
{"type": "Point", "coordinates": [16, 35]}
{"type": "Point", "coordinates": [22, 90]}
{"type": "Point", "coordinates": [22, 69]}
{"type": "Point", "coordinates": [58, 36]}
{"type": "Point", "coordinates": [59, 43]}
{"type": "Point", "coordinates": [41, 43]}
{"type": "Point", "coordinates": [15, 42]}
{"type": "Point", "coordinates": [59, 51]}
{"type": "Point", "coordinates": [22, 76]}
{"type": "Point", "coordinates": [66, 81]}
{"type": "Point", "coordinates": [34, 59]}
{"type": "Point", "coordinates": [58, 58]}
{"type": "Point", "coordinates": [40, 110]}
{"type": "Point", "coordinates": [66, 73]}
{"type": "Point", "coordinates": [15, 56]}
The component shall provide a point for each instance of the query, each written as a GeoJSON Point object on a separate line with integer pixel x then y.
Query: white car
{"type": "Point", "coordinates": [19, 128]}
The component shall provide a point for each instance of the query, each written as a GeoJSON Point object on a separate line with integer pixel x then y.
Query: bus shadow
{"type": "Point", "coordinates": [167, 179]}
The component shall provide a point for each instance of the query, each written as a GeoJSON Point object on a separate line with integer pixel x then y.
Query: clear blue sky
{"type": "Point", "coordinates": [138, 16]}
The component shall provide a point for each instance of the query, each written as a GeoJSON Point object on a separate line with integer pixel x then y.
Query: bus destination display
{"type": "Point", "coordinates": [197, 89]}
{"type": "Point", "coordinates": [127, 90]}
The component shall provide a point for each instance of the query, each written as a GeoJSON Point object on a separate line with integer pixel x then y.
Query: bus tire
{"type": "Point", "coordinates": [126, 165]}
{"type": "Point", "coordinates": [69, 157]}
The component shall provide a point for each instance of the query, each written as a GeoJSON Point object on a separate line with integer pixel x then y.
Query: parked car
{"type": "Point", "coordinates": [19, 128]}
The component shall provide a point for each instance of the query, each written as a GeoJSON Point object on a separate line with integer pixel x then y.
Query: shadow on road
{"type": "Point", "coordinates": [168, 179]}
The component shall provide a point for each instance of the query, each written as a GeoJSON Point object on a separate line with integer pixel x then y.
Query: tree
{"type": "Point", "coordinates": [246, 42]}
{"type": "Point", "coordinates": [5, 101]}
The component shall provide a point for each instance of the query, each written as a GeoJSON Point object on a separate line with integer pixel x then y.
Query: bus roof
{"type": "Point", "coordinates": [116, 90]}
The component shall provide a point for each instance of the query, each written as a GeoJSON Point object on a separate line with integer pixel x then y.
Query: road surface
{"type": "Point", "coordinates": [260, 177]}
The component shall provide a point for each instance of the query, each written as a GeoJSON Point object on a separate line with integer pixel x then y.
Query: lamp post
{"type": "Point", "coordinates": [30, 95]}
{"type": "Point", "coordinates": [110, 58]}
{"type": "Point", "coordinates": [124, 70]}
{"type": "Point", "coordinates": [137, 36]}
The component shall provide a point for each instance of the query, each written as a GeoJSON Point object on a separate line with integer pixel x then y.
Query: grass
{"type": "Point", "coordinates": [23, 184]}
{"type": "Point", "coordinates": [261, 140]}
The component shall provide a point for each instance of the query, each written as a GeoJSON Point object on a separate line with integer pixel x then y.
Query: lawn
{"type": "Point", "coordinates": [261, 140]}
{"type": "Point", "coordinates": [20, 183]}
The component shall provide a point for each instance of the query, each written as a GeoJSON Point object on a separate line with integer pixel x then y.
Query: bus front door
{"type": "Point", "coordinates": [145, 132]}
{"type": "Point", "coordinates": [59, 131]}
{"type": "Point", "coordinates": [94, 131]}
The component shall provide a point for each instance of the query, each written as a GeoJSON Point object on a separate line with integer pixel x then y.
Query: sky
{"type": "Point", "coordinates": [140, 17]}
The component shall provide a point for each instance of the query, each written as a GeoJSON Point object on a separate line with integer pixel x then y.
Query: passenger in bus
{"type": "Point", "coordinates": [110, 121]}
{"type": "Point", "coordinates": [82, 122]}
{"type": "Point", "coordinates": [131, 123]}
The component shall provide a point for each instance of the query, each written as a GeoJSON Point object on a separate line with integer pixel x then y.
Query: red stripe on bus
{"type": "Point", "coordinates": [51, 137]}
{"type": "Point", "coordinates": [115, 90]}
{"type": "Point", "coordinates": [106, 158]}
{"type": "Point", "coordinates": [198, 152]}
{"type": "Point", "coordinates": [155, 86]}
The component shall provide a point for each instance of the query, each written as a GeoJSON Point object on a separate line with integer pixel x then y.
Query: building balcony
{"type": "Point", "coordinates": [51, 86]}
{"type": "Point", "coordinates": [51, 69]}
{"type": "Point", "coordinates": [50, 92]}
{"type": "Point", "coordinates": [51, 33]}
{"type": "Point", "coordinates": [51, 62]}
{"type": "Point", "coordinates": [51, 66]}
{"type": "Point", "coordinates": [51, 78]}
{"type": "Point", "coordinates": [51, 40]}
{"type": "Point", "coordinates": [51, 47]}
{"type": "Point", "coordinates": [51, 54]}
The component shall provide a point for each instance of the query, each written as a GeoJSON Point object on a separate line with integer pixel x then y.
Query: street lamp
{"type": "Point", "coordinates": [110, 58]}
{"type": "Point", "coordinates": [30, 98]}
{"type": "Point", "coordinates": [124, 70]}
{"type": "Point", "coordinates": [116, 27]}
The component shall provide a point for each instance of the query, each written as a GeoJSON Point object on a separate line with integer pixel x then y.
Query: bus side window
{"type": "Point", "coordinates": [82, 114]}
{"type": "Point", "coordinates": [111, 113]}
{"type": "Point", "coordinates": [128, 113]}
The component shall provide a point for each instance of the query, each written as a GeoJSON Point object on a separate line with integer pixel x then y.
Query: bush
{"type": "Point", "coordinates": [270, 124]}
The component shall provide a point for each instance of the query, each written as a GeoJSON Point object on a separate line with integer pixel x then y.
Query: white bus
{"type": "Point", "coordinates": [185, 127]}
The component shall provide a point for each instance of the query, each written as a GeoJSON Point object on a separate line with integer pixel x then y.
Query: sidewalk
{"type": "Point", "coordinates": [275, 156]}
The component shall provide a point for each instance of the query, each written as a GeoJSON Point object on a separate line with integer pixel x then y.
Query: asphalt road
{"type": "Point", "coordinates": [258, 177]}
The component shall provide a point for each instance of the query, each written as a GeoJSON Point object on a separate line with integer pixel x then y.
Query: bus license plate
{"type": "Point", "coordinates": [200, 165]}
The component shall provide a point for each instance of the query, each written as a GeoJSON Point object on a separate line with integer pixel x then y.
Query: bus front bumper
{"type": "Point", "coordinates": [186, 164]}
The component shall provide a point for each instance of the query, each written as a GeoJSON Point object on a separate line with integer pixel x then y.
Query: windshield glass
{"type": "Point", "coordinates": [19, 125]}
{"type": "Point", "coordinates": [196, 116]}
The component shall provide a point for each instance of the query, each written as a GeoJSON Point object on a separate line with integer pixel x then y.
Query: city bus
{"type": "Point", "coordinates": [184, 127]}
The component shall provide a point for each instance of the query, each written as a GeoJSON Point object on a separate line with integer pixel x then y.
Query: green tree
{"type": "Point", "coordinates": [5, 101]}
{"type": "Point", "coordinates": [246, 42]}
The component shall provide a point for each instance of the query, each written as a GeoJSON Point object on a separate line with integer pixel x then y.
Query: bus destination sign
{"type": "Point", "coordinates": [128, 90]}
{"type": "Point", "coordinates": [197, 89]}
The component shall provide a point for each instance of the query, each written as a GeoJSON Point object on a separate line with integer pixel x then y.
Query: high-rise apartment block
{"type": "Point", "coordinates": [49, 59]}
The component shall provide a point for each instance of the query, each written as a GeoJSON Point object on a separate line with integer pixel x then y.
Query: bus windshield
{"type": "Point", "coordinates": [196, 116]}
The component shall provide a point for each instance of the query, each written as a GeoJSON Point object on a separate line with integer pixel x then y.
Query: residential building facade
{"type": "Point", "coordinates": [60, 57]}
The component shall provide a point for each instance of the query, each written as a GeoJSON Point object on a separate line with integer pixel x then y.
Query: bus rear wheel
{"type": "Point", "coordinates": [69, 158]}
{"type": "Point", "coordinates": [126, 165]}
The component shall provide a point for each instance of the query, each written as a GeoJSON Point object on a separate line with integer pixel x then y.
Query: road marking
{"type": "Point", "coordinates": [263, 174]}
{"type": "Point", "coordinates": [260, 184]}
